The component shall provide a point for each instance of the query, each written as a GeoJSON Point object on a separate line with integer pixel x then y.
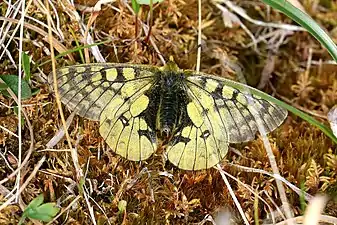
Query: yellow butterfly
{"type": "Point", "coordinates": [196, 115]}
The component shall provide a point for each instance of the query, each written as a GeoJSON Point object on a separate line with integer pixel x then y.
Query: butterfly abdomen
{"type": "Point", "coordinates": [169, 112]}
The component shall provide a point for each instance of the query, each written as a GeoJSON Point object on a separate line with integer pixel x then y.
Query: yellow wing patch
{"type": "Point", "coordinates": [111, 74]}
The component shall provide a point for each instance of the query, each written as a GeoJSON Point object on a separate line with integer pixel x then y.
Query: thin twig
{"type": "Point", "coordinates": [146, 31]}
{"type": "Point", "coordinates": [100, 208]}
{"type": "Point", "coordinates": [317, 114]}
{"type": "Point", "coordinates": [10, 132]}
{"type": "Point", "coordinates": [31, 147]}
{"type": "Point", "coordinates": [199, 37]}
{"type": "Point", "coordinates": [251, 190]}
{"type": "Point", "coordinates": [57, 95]}
{"type": "Point", "coordinates": [300, 219]}
{"type": "Point", "coordinates": [272, 161]}
{"type": "Point", "coordinates": [18, 176]}
{"type": "Point", "coordinates": [242, 25]}
{"type": "Point", "coordinates": [16, 28]}
{"type": "Point", "coordinates": [57, 45]}
{"type": "Point", "coordinates": [293, 187]}
{"type": "Point", "coordinates": [75, 16]}
{"type": "Point", "coordinates": [60, 133]}
{"type": "Point", "coordinates": [6, 161]}
{"type": "Point", "coordinates": [4, 30]}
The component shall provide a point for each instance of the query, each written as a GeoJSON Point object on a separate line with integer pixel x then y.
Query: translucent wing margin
{"type": "Point", "coordinates": [114, 95]}
{"type": "Point", "coordinates": [239, 118]}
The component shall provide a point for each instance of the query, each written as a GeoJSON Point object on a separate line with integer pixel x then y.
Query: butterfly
{"type": "Point", "coordinates": [139, 107]}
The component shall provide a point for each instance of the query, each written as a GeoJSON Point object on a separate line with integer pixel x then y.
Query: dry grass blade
{"type": "Point", "coordinates": [75, 200]}
{"type": "Point", "coordinates": [31, 147]}
{"type": "Point", "coordinates": [314, 210]}
{"type": "Point", "coordinates": [78, 170]}
{"type": "Point", "coordinates": [293, 187]}
{"type": "Point", "coordinates": [244, 15]}
{"type": "Point", "coordinates": [10, 132]}
{"type": "Point", "coordinates": [60, 134]}
{"type": "Point", "coordinates": [24, 185]}
{"type": "Point", "coordinates": [243, 216]}
{"type": "Point", "coordinates": [199, 37]}
{"type": "Point", "coordinates": [58, 45]}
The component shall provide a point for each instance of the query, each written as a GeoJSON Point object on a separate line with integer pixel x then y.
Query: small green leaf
{"type": "Point", "coordinates": [135, 6]}
{"type": "Point", "coordinates": [12, 81]}
{"type": "Point", "coordinates": [44, 212]}
{"type": "Point", "coordinates": [36, 202]}
{"type": "Point", "coordinates": [148, 2]}
{"type": "Point", "coordinates": [122, 206]}
{"type": "Point", "coordinates": [303, 204]}
{"type": "Point", "coordinates": [81, 184]}
{"type": "Point", "coordinates": [26, 66]}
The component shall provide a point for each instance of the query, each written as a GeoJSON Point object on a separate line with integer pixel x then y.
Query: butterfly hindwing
{"type": "Point", "coordinates": [125, 129]}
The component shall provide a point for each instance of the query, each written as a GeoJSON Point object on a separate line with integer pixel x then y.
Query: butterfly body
{"type": "Point", "coordinates": [171, 105]}
{"type": "Point", "coordinates": [196, 115]}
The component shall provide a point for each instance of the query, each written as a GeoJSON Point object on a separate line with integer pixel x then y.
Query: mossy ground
{"type": "Point", "coordinates": [305, 156]}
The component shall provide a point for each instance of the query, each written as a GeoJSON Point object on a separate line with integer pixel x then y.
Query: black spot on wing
{"type": "Point", "coordinates": [205, 134]}
{"type": "Point", "coordinates": [124, 120]}
{"type": "Point", "coordinates": [149, 134]}
{"type": "Point", "coordinates": [217, 93]}
{"type": "Point", "coordinates": [180, 138]}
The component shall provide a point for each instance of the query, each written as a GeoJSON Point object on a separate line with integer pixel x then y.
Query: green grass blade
{"type": "Point", "coordinates": [74, 50]}
{"type": "Point", "coordinates": [135, 6]}
{"type": "Point", "coordinates": [305, 21]}
{"type": "Point", "coordinates": [312, 27]}
{"type": "Point", "coordinates": [77, 44]}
